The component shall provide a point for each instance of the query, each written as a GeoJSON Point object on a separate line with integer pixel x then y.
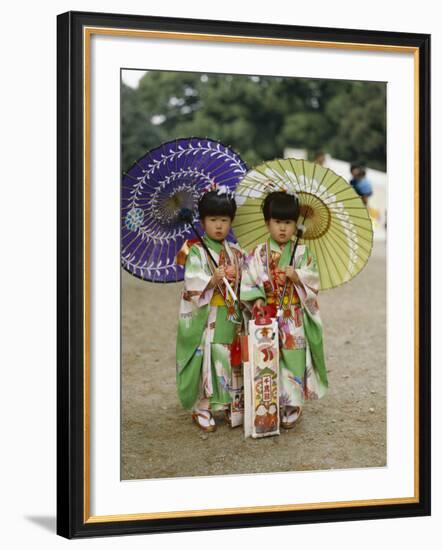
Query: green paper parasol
{"type": "Point", "coordinates": [338, 228]}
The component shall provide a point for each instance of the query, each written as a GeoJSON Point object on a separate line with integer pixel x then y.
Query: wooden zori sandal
{"type": "Point", "coordinates": [289, 419]}
{"type": "Point", "coordinates": [204, 420]}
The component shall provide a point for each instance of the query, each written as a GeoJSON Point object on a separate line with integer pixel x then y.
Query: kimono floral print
{"type": "Point", "coordinates": [302, 365]}
{"type": "Point", "coordinates": [207, 328]}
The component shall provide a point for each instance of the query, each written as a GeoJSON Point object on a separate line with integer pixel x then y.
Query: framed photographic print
{"type": "Point", "coordinates": [243, 274]}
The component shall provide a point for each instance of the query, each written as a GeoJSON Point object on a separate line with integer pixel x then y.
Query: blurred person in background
{"type": "Point", "coordinates": [360, 183]}
{"type": "Point", "coordinates": [319, 158]}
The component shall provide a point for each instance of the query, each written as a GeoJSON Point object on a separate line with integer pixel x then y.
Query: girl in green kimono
{"type": "Point", "coordinates": [302, 372]}
{"type": "Point", "coordinates": [209, 320]}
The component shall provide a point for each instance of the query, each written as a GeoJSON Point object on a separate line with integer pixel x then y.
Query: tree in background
{"type": "Point", "coordinates": [258, 116]}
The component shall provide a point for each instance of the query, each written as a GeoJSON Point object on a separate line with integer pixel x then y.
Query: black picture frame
{"type": "Point", "coordinates": [72, 507]}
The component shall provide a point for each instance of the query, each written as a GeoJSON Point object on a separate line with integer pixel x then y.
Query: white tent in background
{"type": "Point", "coordinates": [377, 203]}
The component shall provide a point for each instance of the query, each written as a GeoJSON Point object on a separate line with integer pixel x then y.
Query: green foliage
{"type": "Point", "coordinates": [258, 116]}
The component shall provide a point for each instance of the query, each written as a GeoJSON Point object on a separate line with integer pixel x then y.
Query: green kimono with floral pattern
{"type": "Point", "coordinates": [206, 331]}
{"type": "Point", "coordinates": [302, 373]}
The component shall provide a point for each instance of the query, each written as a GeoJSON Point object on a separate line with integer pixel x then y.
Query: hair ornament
{"type": "Point", "coordinates": [224, 190]}
{"type": "Point", "coordinates": [220, 190]}
{"type": "Point", "coordinates": [290, 192]}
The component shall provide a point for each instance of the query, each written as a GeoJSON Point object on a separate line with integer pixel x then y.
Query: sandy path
{"type": "Point", "coordinates": [345, 429]}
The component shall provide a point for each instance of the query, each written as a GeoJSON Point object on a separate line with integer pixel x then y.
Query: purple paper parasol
{"type": "Point", "coordinates": [165, 180]}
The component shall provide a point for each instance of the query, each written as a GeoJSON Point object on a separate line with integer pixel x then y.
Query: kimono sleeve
{"type": "Point", "coordinates": [252, 284]}
{"type": "Point", "coordinates": [308, 288]}
{"type": "Point", "coordinates": [308, 285]}
{"type": "Point", "coordinates": [242, 257]}
{"type": "Point", "coordinates": [197, 276]}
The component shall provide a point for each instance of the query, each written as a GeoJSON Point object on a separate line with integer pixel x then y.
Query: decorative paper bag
{"type": "Point", "coordinates": [261, 381]}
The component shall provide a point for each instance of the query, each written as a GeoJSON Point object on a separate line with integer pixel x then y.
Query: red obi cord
{"type": "Point", "coordinates": [235, 352]}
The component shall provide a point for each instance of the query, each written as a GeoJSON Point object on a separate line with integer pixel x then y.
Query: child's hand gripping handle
{"type": "Point", "coordinates": [230, 289]}
{"type": "Point", "coordinates": [262, 314]}
{"type": "Point", "coordinates": [219, 275]}
{"type": "Point", "coordinates": [257, 309]}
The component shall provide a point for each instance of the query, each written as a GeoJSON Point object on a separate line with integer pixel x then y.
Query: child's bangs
{"type": "Point", "coordinates": [280, 206]}
{"type": "Point", "coordinates": [283, 211]}
{"type": "Point", "coordinates": [216, 205]}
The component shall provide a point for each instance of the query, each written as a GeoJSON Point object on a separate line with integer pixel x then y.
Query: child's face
{"type": "Point", "coordinates": [216, 227]}
{"type": "Point", "coordinates": [281, 231]}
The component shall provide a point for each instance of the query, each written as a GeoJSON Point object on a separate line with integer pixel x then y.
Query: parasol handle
{"type": "Point", "coordinates": [206, 248]}
{"type": "Point", "coordinates": [230, 289]}
{"type": "Point", "coordinates": [298, 235]}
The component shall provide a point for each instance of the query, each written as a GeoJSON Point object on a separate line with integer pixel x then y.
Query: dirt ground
{"type": "Point", "coordinates": [345, 429]}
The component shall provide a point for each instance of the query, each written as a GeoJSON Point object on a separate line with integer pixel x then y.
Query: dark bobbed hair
{"type": "Point", "coordinates": [359, 164]}
{"type": "Point", "coordinates": [280, 206]}
{"type": "Point", "coordinates": [212, 204]}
